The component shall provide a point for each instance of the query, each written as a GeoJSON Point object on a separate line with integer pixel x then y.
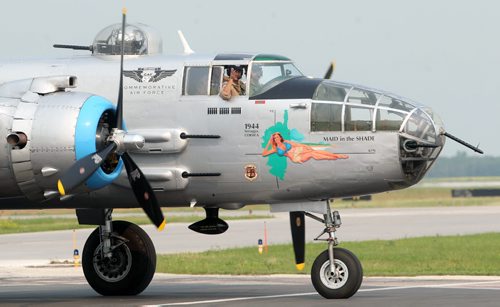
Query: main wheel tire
{"type": "Point", "coordinates": [131, 267]}
{"type": "Point", "coordinates": [348, 279]}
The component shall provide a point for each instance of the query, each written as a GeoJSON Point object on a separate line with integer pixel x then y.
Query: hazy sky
{"type": "Point", "coordinates": [444, 54]}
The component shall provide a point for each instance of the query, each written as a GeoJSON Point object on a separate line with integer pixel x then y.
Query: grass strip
{"type": "Point", "coordinates": [440, 255]}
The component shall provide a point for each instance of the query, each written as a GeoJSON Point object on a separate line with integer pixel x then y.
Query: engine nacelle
{"type": "Point", "coordinates": [45, 134]}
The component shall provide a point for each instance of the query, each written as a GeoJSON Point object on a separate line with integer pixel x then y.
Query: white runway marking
{"type": "Point", "coordinates": [458, 285]}
{"type": "Point", "coordinates": [433, 286]}
{"type": "Point", "coordinates": [236, 299]}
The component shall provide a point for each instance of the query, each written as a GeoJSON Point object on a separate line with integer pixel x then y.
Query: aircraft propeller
{"type": "Point", "coordinates": [298, 228]}
{"type": "Point", "coordinates": [330, 70]}
{"type": "Point", "coordinates": [119, 141]}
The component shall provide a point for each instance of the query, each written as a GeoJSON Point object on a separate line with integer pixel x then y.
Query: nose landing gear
{"type": "Point", "coordinates": [344, 277]}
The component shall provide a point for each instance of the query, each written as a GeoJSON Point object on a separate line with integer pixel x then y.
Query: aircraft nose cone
{"type": "Point", "coordinates": [421, 142]}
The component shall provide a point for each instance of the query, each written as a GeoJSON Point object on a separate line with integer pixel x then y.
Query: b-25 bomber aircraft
{"type": "Point", "coordinates": [170, 140]}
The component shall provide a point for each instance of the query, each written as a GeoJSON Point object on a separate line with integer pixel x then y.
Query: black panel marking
{"type": "Point", "coordinates": [296, 88]}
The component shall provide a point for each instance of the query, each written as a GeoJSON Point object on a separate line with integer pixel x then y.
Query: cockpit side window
{"type": "Point", "coordinates": [195, 80]}
{"type": "Point", "coordinates": [326, 117]}
{"type": "Point", "coordinates": [265, 75]}
{"type": "Point", "coordinates": [216, 80]}
{"type": "Point", "coordinates": [243, 69]}
{"type": "Point", "coordinates": [358, 118]}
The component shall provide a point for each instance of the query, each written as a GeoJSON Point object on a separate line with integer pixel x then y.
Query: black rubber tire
{"type": "Point", "coordinates": [354, 280]}
{"type": "Point", "coordinates": [143, 262]}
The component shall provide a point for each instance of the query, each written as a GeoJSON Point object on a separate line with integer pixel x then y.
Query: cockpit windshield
{"type": "Point", "coordinates": [265, 75]}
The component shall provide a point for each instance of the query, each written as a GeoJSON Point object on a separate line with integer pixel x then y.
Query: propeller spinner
{"type": "Point", "coordinates": [117, 144]}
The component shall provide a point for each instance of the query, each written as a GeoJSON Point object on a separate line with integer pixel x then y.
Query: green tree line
{"type": "Point", "coordinates": [463, 165]}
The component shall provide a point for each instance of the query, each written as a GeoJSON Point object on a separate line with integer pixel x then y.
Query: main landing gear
{"type": "Point", "coordinates": [344, 277]}
{"type": "Point", "coordinates": [118, 258]}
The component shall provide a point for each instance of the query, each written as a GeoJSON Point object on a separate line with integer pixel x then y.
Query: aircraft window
{"type": "Point", "coordinates": [108, 41]}
{"type": "Point", "coordinates": [329, 92]}
{"type": "Point", "coordinates": [243, 79]}
{"type": "Point", "coordinates": [384, 101]}
{"type": "Point", "coordinates": [420, 126]}
{"type": "Point", "coordinates": [358, 118]}
{"type": "Point", "coordinates": [216, 79]}
{"type": "Point", "coordinates": [394, 103]}
{"type": "Point", "coordinates": [272, 75]}
{"type": "Point", "coordinates": [361, 96]}
{"type": "Point", "coordinates": [388, 120]}
{"type": "Point", "coordinates": [195, 80]}
{"type": "Point", "coordinates": [326, 117]}
{"type": "Point", "coordinates": [437, 120]}
{"type": "Point", "coordinates": [270, 72]}
{"type": "Point", "coordinates": [255, 79]}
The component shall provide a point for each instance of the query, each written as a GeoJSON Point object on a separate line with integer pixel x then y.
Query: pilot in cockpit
{"type": "Point", "coordinates": [233, 86]}
{"type": "Point", "coordinates": [255, 77]}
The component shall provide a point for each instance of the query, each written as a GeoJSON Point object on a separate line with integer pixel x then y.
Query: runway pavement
{"type": "Point", "coordinates": [65, 286]}
{"type": "Point", "coordinates": [22, 284]}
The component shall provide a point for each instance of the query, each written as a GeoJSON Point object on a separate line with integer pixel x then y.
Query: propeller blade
{"type": "Point", "coordinates": [143, 192]}
{"type": "Point", "coordinates": [298, 227]}
{"type": "Point", "coordinates": [330, 70]}
{"type": "Point", "coordinates": [119, 106]}
{"type": "Point", "coordinates": [82, 169]}
{"type": "Point", "coordinates": [140, 185]}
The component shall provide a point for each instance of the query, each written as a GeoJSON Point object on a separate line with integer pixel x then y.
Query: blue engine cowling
{"type": "Point", "coordinates": [86, 131]}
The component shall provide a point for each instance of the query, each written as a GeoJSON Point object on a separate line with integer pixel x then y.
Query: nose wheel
{"type": "Point", "coordinates": [343, 281]}
{"type": "Point", "coordinates": [336, 273]}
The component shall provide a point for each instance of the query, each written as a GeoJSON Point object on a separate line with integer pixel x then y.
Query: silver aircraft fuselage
{"type": "Point", "coordinates": [376, 135]}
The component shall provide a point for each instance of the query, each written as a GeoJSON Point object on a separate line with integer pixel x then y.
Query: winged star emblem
{"type": "Point", "coordinates": [148, 74]}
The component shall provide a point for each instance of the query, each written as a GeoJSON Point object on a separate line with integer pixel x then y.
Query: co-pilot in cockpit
{"type": "Point", "coordinates": [266, 75]}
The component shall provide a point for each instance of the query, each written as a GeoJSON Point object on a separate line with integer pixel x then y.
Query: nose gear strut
{"type": "Point", "coordinates": [332, 221]}
{"type": "Point", "coordinates": [336, 272]}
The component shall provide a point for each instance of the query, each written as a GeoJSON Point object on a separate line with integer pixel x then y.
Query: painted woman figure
{"type": "Point", "coordinates": [298, 153]}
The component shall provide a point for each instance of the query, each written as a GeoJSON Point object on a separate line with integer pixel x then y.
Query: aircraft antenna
{"type": "Point", "coordinates": [185, 45]}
